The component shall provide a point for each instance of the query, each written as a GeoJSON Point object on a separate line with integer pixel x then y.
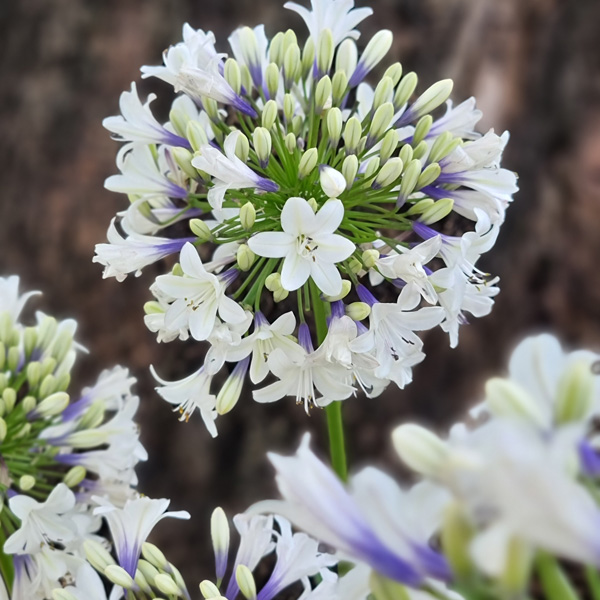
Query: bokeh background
{"type": "Point", "coordinates": [534, 66]}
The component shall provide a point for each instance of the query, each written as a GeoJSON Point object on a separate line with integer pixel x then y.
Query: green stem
{"type": "Point", "coordinates": [7, 570]}
{"type": "Point", "coordinates": [335, 425]}
{"type": "Point", "coordinates": [593, 581]}
{"type": "Point", "coordinates": [554, 581]}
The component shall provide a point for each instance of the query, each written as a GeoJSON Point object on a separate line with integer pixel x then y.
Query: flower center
{"type": "Point", "coordinates": [305, 246]}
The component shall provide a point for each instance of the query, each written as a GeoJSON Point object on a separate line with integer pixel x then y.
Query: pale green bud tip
{"type": "Point", "coordinates": [290, 142]}
{"type": "Point", "coordinates": [272, 78]}
{"type": "Point", "coordinates": [382, 119]}
{"type": "Point", "coordinates": [200, 229]}
{"type": "Point", "coordinates": [3, 429]}
{"type": "Point", "coordinates": [166, 585]}
{"type": "Point", "coordinates": [28, 403]}
{"type": "Point", "coordinates": [53, 404]}
{"type": "Point", "coordinates": [209, 590]}
{"type": "Point", "coordinates": [389, 174]}
{"type": "Point", "coordinates": [62, 594]}
{"type": "Point", "coordinates": [325, 51]}
{"type": "Point", "coordinates": [269, 114]}
{"type": "Point", "coordinates": [242, 147]}
{"type": "Point", "coordinates": [261, 138]}
{"type": "Point", "coordinates": [429, 175]}
{"type": "Point", "coordinates": [245, 257]}
{"type": "Point", "coordinates": [346, 287]}
{"type": "Point", "coordinates": [308, 162]}
{"type": "Point", "coordinates": [183, 157]}
{"type": "Point", "coordinates": [196, 135]}
{"type": "Point", "coordinates": [280, 295]}
{"type": "Point", "coordinates": [153, 308]}
{"type": "Point", "coordinates": [377, 48]}
{"type": "Point", "coordinates": [358, 311]}
{"type": "Point", "coordinates": [292, 64]}
{"type": "Point", "coordinates": [154, 555]}
{"type": "Point", "coordinates": [119, 576]}
{"type": "Point", "coordinates": [233, 75]}
{"type": "Point", "coordinates": [440, 210]}
{"type": "Point", "coordinates": [333, 182]}
{"type": "Point", "coordinates": [74, 476]}
{"type": "Point", "coordinates": [419, 448]}
{"type": "Point", "coordinates": [247, 216]}
{"type": "Point", "coordinates": [97, 555]}
{"type": "Point", "coordinates": [245, 581]}
{"type": "Point", "coordinates": [219, 530]}
{"type": "Point", "coordinates": [370, 257]}
{"type": "Point", "coordinates": [273, 282]}
{"type": "Point", "coordinates": [575, 395]}
{"type": "Point", "coordinates": [339, 86]}
{"type": "Point", "coordinates": [27, 482]}
{"type": "Point", "coordinates": [505, 398]}
{"type": "Point", "coordinates": [323, 94]}
{"type": "Point", "coordinates": [350, 169]}
{"type": "Point", "coordinates": [456, 535]}
{"type": "Point", "coordinates": [352, 135]}
{"type": "Point", "coordinates": [346, 58]}
{"type": "Point", "coordinates": [313, 204]}
{"type": "Point", "coordinates": [433, 97]}
{"type": "Point", "coordinates": [334, 125]}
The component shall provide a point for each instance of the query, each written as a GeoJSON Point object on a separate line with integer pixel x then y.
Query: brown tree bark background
{"type": "Point", "coordinates": [534, 67]}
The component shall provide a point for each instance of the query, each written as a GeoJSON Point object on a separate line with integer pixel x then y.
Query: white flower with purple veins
{"type": "Point", "coordinates": [339, 16]}
{"type": "Point", "coordinates": [249, 47]}
{"type": "Point", "coordinates": [42, 523]}
{"type": "Point", "coordinates": [374, 522]}
{"type": "Point", "coordinates": [124, 255]}
{"type": "Point", "coordinates": [197, 297]}
{"type": "Point", "coordinates": [228, 171]}
{"type": "Point", "coordinates": [191, 393]}
{"type": "Point", "coordinates": [131, 525]}
{"type": "Point", "coordinates": [137, 123]}
{"type": "Point", "coordinates": [308, 244]}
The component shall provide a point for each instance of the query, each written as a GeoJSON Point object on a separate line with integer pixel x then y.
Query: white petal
{"type": "Point", "coordinates": [298, 217]}
{"type": "Point", "coordinates": [295, 272]}
{"type": "Point", "coordinates": [329, 217]}
{"type": "Point", "coordinates": [272, 244]}
{"type": "Point", "coordinates": [332, 247]}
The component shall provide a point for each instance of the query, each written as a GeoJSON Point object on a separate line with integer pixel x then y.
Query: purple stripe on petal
{"type": "Point", "coordinates": [423, 231]}
{"type": "Point", "coordinates": [259, 320]}
{"type": "Point", "coordinates": [590, 461]}
{"type": "Point", "coordinates": [338, 309]}
{"type": "Point", "coordinates": [229, 276]}
{"type": "Point", "coordinates": [359, 74]}
{"type": "Point", "coordinates": [436, 193]}
{"type": "Point", "coordinates": [172, 139]}
{"type": "Point", "coordinates": [175, 191]}
{"type": "Point", "coordinates": [267, 185]}
{"type": "Point", "coordinates": [243, 106]}
{"type": "Point", "coordinates": [365, 295]}
{"type": "Point", "coordinates": [304, 338]}
{"type": "Point", "coordinates": [433, 563]}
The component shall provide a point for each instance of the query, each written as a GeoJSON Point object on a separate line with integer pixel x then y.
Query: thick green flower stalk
{"type": "Point", "coordinates": [306, 208]}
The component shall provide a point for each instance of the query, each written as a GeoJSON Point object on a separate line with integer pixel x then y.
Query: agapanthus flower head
{"type": "Point", "coordinates": [282, 173]}
{"type": "Point", "coordinates": [57, 448]}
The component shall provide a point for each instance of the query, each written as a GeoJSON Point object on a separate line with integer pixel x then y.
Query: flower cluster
{"type": "Point", "coordinates": [63, 459]}
{"type": "Point", "coordinates": [497, 504]}
{"type": "Point", "coordinates": [280, 170]}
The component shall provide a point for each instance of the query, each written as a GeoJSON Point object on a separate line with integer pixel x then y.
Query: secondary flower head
{"type": "Point", "coordinates": [282, 174]}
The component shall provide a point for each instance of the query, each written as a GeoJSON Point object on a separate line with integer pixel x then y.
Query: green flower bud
{"type": "Point", "coordinates": [273, 282]}
{"type": "Point", "coordinates": [325, 51]}
{"type": "Point", "coordinates": [13, 358]}
{"type": "Point", "coordinates": [269, 114]}
{"type": "Point", "coordinates": [313, 204]}
{"type": "Point", "coordinates": [405, 90]}
{"type": "Point", "coordinates": [196, 135]}
{"type": "Point", "coordinates": [97, 555]}
{"type": "Point", "coordinates": [297, 123]}
{"type": "Point", "coordinates": [6, 327]}
{"type": "Point", "coordinates": [419, 448]}
{"type": "Point", "coordinates": [443, 145]}
{"type": "Point", "coordinates": [62, 382]}
{"type": "Point", "coordinates": [93, 416]}
{"type": "Point", "coordinates": [382, 120]}
{"type": "Point", "coordinates": [372, 167]}
{"type": "Point", "coordinates": [429, 174]}
{"type": "Point", "coordinates": [245, 257]}
{"type": "Point", "coordinates": [377, 48]}
{"type": "Point", "coordinates": [27, 482]}
{"type": "Point", "coordinates": [352, 134]}
{"type": "Point", "coordinates": [209, 590]}
{"type": "Point", "coordinates": [54, 404]}
{"type": "Point", "coordinates": [410, 177]}
{"type": "Point", "coordinates": [242, 147]}
{"type": "Point", "coordinates": [323, 94]}
{"type": "Point", "coordinates": [119, 576]}
{"type": "Point", "coordinates": [183, 157]}
{"type": "Point", "coordinates": [23, 431]}
{"type": "Point", "coordinates": [246, 78]}
{"type": "Point", "coordinates": [346, 287]}
{"type": "Point", "coordinates": [9, 396]}
{"type": "Point", "coordinates": [420, 207]}
{"type": "Point", "coordinates": [389, 173]}
{"type": "Point", "coordinates": [247, 216]}
{"type": "Point", "coordinates": [389, 144]}
{"type": "Point", "coordinates": [200, 229]}
{"type": "Point", "coordinates": [166, 585]}
{"type": "Point", "coordinates": [517, 572]}
{"type": "Point", "coordinates": [291, 144]}
{"type": "Point", "coordinates": [350, 169]}
{"type": "Point", "coordinates": [432, 97]}
{"type": "Point", "coordinates": [334, 126]}
{"type": "Point", "coordinates": [308, 162]}
{"type": "Point", "coordinates": [179, 118]}
{"type": "Point", "coordinates": [148, 571]}
{"type": "Point", "coordinates": [74, 476]}
{"type": "Point", "coordinates": [289, 107]}
{"type": "Point", "coordinates": [261, 139]}
{"type": "Point", "coordinates": [153, 308]}
{"type": "Point", "coordinates": [46, 331]}
{"type": "Point", "coordinates": [394, 72]}
{"type": "Point", "coordinates": [292, 65]}
{"type": "Point", "coordinates": [370, 257]}
{"type": "Point", "coordinates": [456, 536]}
{"type": "Point", "coordinates": [211, 108]}
{"type": "Point", "coordinates": [233, 75]}
{"type": "Point", "coordinates": [276, 50]}
{"type": "Point", "coordinates": [3, 429]}
{"type": "Point", "coordinates": [245, 581]}
{"type": "Point", "coordinates": [384, 92]}
{"type": "Point", "coordinates": [308, 57]}
{"type": "Point", "coordinates": [406, 154]}
{"type": "Point", "coordinates": [347, 57]}
{"type": "Point", "coordinates": [289, 39]}
{"type": "Point", "coordinates": [358, 311]}
{"type": "Point", "coordinates": [420, 150]}
{"type": "Point", "coordinates": [575, 394]}
{"type": "Point", "coordinates": [28, 403]}
{"type": "Point", "coordinates": [280, 295]}
{"type": "Point", "coordinates": [2, 355]}
{"type": "Point", "coordinates": [141, 582]}
{"type": "Point", "coordinates": [506, 398]}
{"type": "Point", "coordinates": [422, 129]}
{"type": "Point", "coordinates": [154, 556]}
{"type": "Point", "coordinates": [355, 265]}
{"type": "Point", "coordinates": [339, 87]}
{"type": "Point", "coordinates": [29, 340]}
{"type": "Point", "coordinates": [440, 210]}
{"type": "Point", "coordinates": [272, 78]}
{"type": "Point", "coordinates": [34, 373]}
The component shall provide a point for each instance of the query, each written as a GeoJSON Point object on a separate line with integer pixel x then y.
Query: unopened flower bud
{"type": "Point", "coordinates": [308, 57]}
{"type": "Point", "coordinates": [355, 265]}
{"type": "Point", "coordinates": [405, 89]}
{"type": "Point", "coordinates": [370, 257]}
{"type": "Point", "coordinates": [233, 75]}
{"type": "Point", "coordinates": [289, 39]}
{"type": "Point", "coordinates": [53, 405]}
{"type": "Point", "coordinates": [419, 448]}
{"type": "Point", "coordinates": [200, 229]}
{"type": "Point", "coordinates": [29, 340]}
{"type": "Point", "coordinates": [506, 398]}
{"type": "Point", "coordinates": [272, 79]}
{"type": "Point", "coordinates": [261, 139]}
{"type": "Point", "coordinates": [431, 98]}
{"type": "Point", "coordinates": [323, 94]}
{"type": "Point", "coordinates": [28, 403]}
{"type": "Point", "coordinates": [34, 373]}
{"type": "Point", "coordinates": [325, 51]}
{"type": "Point", "coordinates": [350, 169]}
{"type": "Point", "coordinates": [292, 65]}
{"type": "Point", "coordinates": [382, 120]}
{"type": "Point", "coordinates": [418, 208]}
{"type": "Point", "coordinates": [9, 396]}
{"type": "Point", "coordinates": [154, 556]}
{"type": "Point", "coordinates": [231, 390]}
{"type": "Point", "coordinates": [280, 295]}
{"type": "Point", "coordinates": [308, 162]}
{"type": "Point", "coordinates": [394, 72]}
{"type": "Point", "coordinates": [148, 571]}
{"type": "Point", "coordinates": [347, 57]}
{"type": "Point", "coordinates": [388, 145]}
{"type": "Point", "coordinates": [289, 107]}
{"type": "Point", "coordinates": [346, 287]}
{"type": "Point", "coordinates": [372, 167]}
{"type": "Point", "coordinates": [384, 92]}
{"type": "Point", "coordinates": [245, 581]}
{"type": "Point", "coordinates": [247, 215]}
{"type": "Point", "coordinates": [93, 416]}
{"type": "Point", "coordinates": [429, 175]}
{"type": "Point", "coordinates": [183, 157]}
{"type": "Point", "coordinates": [273, 282]}
{"type": "Point", "coordinates": [358, 311]}
{"type": "Point", "coordinates": [456, 536]}
{"type": "Point", "coordinates": [2, 355]}
{"type": "Point", "coordinates": [389, 173]}
{"type": "Point", "coordinates": [179, 117]}
{"type": "Point", "coordinates": [352, 134]}
{"type": "Point", "coordinates": [27, 482]}
{"type": "Point", "coordinates": [74, 476]}
{"type": "Point", "coordinates": [152, 307]}
{"type": "Point", "coordinates": [443, 145]}
{"type": "Point", "coordinates": [420, 150]}
{"type": "Point", "coordinates": [119, 576]}
{"type": "Point", "coordinates": [269, 114]}
{"type": "Point", "coordinates": [196, 135]}
{"type": "Point", "coordinates": [13, 358]}
{"type": "Point", "coordinates": [219, 532]}
{"type": "Point", "coordinates": [422, 129]}
{"type": "Point", "coordinates": [48, 366]}
{"type": "Point", "coordinates": [410, 178]}
{"type": "Point", "coordinates": [97, 555]}
{"type": "Point", "coordinates": [209, 590]}
{"type": "Point", "coordinates": [6, 327]}
{"type": "Point", "coordinates": [166, 585]}
{"type": "Point", "coordinates": [339, 87]}
{"type": "Point", "coordinates": [276, 49]}
{"type": "Point", "coordinates": [291, 143]}
{"type": "Point", "coordinates": [440, 210]}
{"type": "Point", "coordinates": [3, 429]}
{"type": "Point", "coordinates": [517, 570]}
{"type": "Point", "coordinates": [46, 331]}
{"type": "Point", "coordinates": [297, 123]}
{"type": "Point", "coordinates": [211, 108]}
{"type": "Point", "coordinates": [334, 126]}
{"type": "Point", "coordinates": [333, 182]}
{"type": "Point", "coordinates": [376, 49]}
{"type": "Point", "coordinates": [575, 394]}
{"type": "Point", "coordinates": [242, 147]}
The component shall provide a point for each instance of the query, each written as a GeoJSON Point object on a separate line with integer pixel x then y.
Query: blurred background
{"type": "Point", "coordinates": [534, 66]}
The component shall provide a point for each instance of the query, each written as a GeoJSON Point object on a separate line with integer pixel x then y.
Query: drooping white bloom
{"type": "Point", "coordinates": [339, 16]}
{"type": "Point", "coordinates": [229, 171]}
{"type": "Point", "coordinates": [190, 393]}
{"type": "Point", "coordinates": [459, 120]}
{"type": "Point", "coordinates": [309, 245]}
{"type": "Point", "coordinates": [198, 297]}
{"type": "Point", "coordinates": [124, 255]}
{"type": "Point", "coordinates": [137, 123]}
{"type": "Point", "coordinates": [131, 525]}
{"type": "Point", "coordinates": [41, 522]}
{"type": "Point", "coordinates": [224, 340]}
{"type": "Point", "coordinates": [375, 523]}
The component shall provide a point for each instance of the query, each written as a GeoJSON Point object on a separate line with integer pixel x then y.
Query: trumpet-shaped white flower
{"type": "Point", "coordinates": [229, 171]}
{"type": "Point", "coordinates": [309, 245]}
{"type": "Point", "coordinates": [131, 525]}
{"type": "Point", "coordinates": [198, 296]}
{"type": "Point", "coordinates": [10, 300]}
{"type": "Point", "coordinates": [249, 48]}
{"type": "Point", "coordinates": [42, 523]}
{"type": "Point", "coordinates": [459, 120]}
{"type": "Point", "coordinates": [137, 123]}
{"type": "Point", "coordinates": [339, 16]}
{"type": "Point", "coordinates": [224, 341]}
